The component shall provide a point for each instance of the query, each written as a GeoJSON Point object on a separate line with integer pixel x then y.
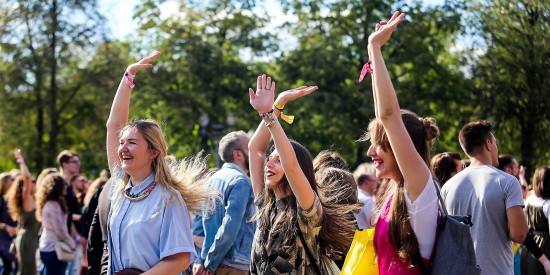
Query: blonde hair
{"type": "Point", "coordinates": [364, 168]}
{"type": "Point", "coordinates": [94, 187]}
{"type": "Point", "coordinates": [187, 177]}
{"type": "Point", "coordinates": [45, 172]}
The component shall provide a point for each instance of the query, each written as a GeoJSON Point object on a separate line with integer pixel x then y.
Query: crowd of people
{"type": "Point", "coordinates": [273, 210]}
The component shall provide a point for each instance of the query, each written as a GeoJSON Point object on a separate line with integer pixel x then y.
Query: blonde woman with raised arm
{"type": "Point", "coordinates": [151, 196]}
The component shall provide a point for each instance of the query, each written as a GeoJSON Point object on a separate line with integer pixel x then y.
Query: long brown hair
{"type": "Point", "coordinates": [5, 183]}
{"type": "Point", "coordinates": [50, 189]}
{"type": "Point", "coordinates": [423, 132]}
{"type": "Point", "coordinates": [15, 197]}
{"type": "Point", "coordinates": [338, 195]}
{"type": "Point", "coordinates": [541, 182]}
{"type": "Point", "coordinates": [332, 237]}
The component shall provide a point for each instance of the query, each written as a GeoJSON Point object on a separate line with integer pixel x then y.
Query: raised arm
{"type": "Point", "coordinates": [120, 109]}
{"type": "Point", "coordinates": [28, 199]}
{"type": "Point", "coordinates": [262, 101]}
{"type": "Point", "coordinates": [415, 172]}
{"type": "Point", "coordinates": [260, 140]}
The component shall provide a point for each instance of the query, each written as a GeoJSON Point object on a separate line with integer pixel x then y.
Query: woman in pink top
{"type": "Point", "coordinates": [51, 210]}
{"type": "Point", "coordinates": [407, 215]}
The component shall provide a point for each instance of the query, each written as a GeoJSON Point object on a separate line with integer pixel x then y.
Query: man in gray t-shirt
{"type": "Point", "coordinates": [492, 197]}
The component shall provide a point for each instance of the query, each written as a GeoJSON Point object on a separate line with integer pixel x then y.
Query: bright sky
{"type": "Point", "coordinates": [119, 13]}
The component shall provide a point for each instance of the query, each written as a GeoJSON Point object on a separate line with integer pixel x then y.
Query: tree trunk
{"type": "Point", "coordinates": [527, 148]}
{"type": "Point", "coordinates": [39, 146]}
{"type": "Point", "coordinates": [52, 93]}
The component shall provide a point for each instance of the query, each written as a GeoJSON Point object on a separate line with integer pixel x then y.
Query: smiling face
{"type": "Point", "coordinates": [273, 170]}
{"type": "Point", "coordinates": [134, 152]}
{"type": "Point", "coordinates": [384, 162]}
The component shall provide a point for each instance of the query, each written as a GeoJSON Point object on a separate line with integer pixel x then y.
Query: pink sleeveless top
{"type": "Point", "coordinates": [389, 262]}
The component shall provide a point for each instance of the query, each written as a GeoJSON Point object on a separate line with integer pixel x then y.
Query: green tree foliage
{"type": "Point", "coordinates": [201, 70]}
{"type": "Point", "coordinates": [58, 77]}
{"type": "Point", "coordinates": [332, 40]}
{"type": "Point", "coordinates": [511, 77]}
{"type": "Point", "coordinates": [44, 45]}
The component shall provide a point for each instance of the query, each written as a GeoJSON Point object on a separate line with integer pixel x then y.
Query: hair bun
{"type": "Point", "coordinates": [430, 128]}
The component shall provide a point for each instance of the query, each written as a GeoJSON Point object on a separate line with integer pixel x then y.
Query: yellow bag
{"type": "Point", "coordinates": [361, 258]}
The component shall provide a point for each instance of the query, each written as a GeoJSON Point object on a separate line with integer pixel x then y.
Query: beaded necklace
{"type": "Point", "coordinates": [141, 195]}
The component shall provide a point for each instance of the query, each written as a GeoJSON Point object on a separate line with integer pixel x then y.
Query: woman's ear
{"type": "Point", "coordinates": [154, 153]}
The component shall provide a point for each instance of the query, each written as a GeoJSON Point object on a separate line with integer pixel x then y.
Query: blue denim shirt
{"type": "Point", "coordinates": [228, 231]}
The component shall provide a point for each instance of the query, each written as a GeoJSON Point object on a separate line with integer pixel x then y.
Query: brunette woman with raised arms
{"type": "Point", "coordinates": [405, 229]}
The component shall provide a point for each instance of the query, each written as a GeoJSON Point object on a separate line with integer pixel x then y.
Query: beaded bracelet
{"type": "Point", "coordinates": [129, 79]}
{"type": "Point", "coordinates": [268, 118]}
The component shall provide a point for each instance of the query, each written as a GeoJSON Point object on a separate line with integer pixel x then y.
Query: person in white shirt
{"type": "Point", "coordinates": [366, 188]}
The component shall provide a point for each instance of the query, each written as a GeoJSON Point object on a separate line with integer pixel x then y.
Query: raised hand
{"type": "Point", "coordinates": [522, 171]}
{"type": "Point", "coordinates": [384, 29]}
{"type": "Point", "coordinates": [143, 64]}
{"type": "Point", "coordinates": [290, 95]}
{"type": "Point", "coordinates": [262, 99]}
{"type": "Point", "coordinates": [18, 156]}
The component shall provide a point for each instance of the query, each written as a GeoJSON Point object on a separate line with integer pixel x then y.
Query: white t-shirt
{"type": "Point", "coordinates": [364, 215]}
{"type": "Point", "coordinates": [423, 217]}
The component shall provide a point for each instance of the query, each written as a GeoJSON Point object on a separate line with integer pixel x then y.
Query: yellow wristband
{"type": "Point", "coordinates": [278, 107]}
{"type": "Point", "coordinates": [287, 118]}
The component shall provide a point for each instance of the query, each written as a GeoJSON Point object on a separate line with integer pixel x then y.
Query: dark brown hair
{"type": "Point", "coordinates": [541, 182]}
{"type": "Point", "coordinates": [443, 165]}
{"type": "Point", "coordinates": [423, 132]}
{"type": "Point", "coordinates": [334, 237]}
{"type": "Point", "coordinates": [505, 160]}
{"type": "Point", "coordinates": [327, 159]}
{"type": "Point", "coordinates": [473, 135]}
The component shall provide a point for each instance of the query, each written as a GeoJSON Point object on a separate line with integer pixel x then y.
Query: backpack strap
{"type": "Point", "coordinates": [441, 219]}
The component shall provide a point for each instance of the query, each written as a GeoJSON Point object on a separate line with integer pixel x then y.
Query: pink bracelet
{"type": "Point", "coordinates": [129, 82]}
{"type": "Point", "coordinates": [129, 75]}
{"type": "Point", "coordinates": [129, 79]}
{"type": "Point", "coordinates": [367, 68]}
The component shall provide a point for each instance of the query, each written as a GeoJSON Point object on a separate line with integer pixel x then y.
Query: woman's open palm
{"type": "Point", "coordinates": [384, 29]}
{"type": "Point", "coordinates": [262, 99]}
{"type": "Point", "coordinates": [290, 95]}
{"type": "Point", "coordinates": [143, 64]}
